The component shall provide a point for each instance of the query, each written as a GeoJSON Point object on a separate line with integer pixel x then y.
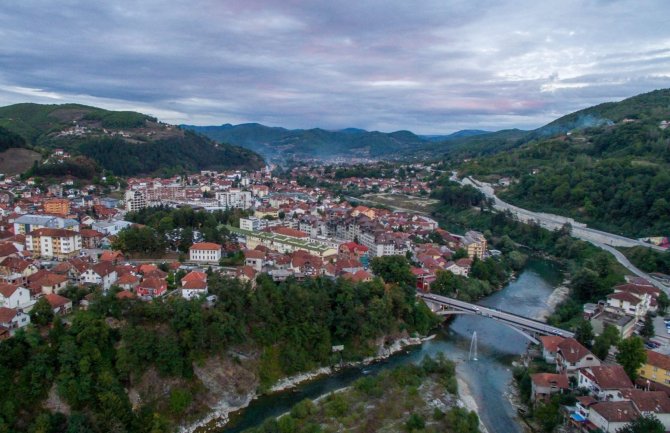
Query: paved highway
{"type": "Point", "coordinates": [601, 239]}
{"type": "Point", "coordinates": [512, 319]}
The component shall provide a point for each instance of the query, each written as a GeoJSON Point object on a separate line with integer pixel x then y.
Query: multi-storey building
{"type": "Point", "coordinates": [58, 206]}
{"type": "Point", "coordinates": [135, 200]}
{"type": "Point", "coordinates": [234, 199]}
{"type": "Point", "coordinates": [50, 243]}
{"type": "Point", "coordinates": [205, 252]}
{"type": "Point", "coordinates": [27, 223]}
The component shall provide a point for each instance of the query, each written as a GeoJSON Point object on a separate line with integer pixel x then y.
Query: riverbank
{"type": "Point", "coordinates": [467, 401]}
{"type": "Point", "coordinates": [221, 413]}
{"type": "Point", "coordinates": [560, 294]}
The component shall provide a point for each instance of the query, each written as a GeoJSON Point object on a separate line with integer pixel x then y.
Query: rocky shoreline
{"type": "Point", "coordinates": [220, 414]}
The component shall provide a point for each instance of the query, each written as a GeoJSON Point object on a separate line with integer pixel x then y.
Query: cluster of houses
{"type": "Point", "coordinates": [609, 399]}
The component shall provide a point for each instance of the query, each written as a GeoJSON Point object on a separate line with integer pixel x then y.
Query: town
{"type": "Point", "coordinates": [65, 235]}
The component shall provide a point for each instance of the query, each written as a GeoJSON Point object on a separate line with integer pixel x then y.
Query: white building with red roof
{"type": "Point", "coordinates": [206, 252]}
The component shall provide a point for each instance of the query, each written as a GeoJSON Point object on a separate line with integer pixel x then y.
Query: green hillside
{"type": "Point", "coordinates": [124, 142]}
{"type": "Point", "coordinates": [608, 166]}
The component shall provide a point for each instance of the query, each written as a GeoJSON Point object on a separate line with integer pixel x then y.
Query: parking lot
{"type": "Point", "coordinates": [662, 335]}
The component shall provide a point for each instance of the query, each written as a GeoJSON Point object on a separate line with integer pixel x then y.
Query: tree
{"type": "Point", "coordinates": [631, 356]}
{"type": "Point", "coordinates": [609, 337]}
{"type": "Point", "coordinates": [663, 302]}
{"type": "Point", "coordinates": [394, 269]}
{"type": "Point", "coordinates": [584, 333]}
{"type": "Point", "coordinates": [647, 330]}
{"type": "Point", "coordinates": [644, 424]}
{"type": "Point", "coordinates": [41, 314]}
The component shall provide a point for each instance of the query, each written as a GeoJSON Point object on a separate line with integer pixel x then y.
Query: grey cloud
{"type": "Point", "coordinates": [432, 66]}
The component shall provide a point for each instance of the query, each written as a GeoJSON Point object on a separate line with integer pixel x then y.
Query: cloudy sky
{"type": "Point", "coordinates": [427, 66]}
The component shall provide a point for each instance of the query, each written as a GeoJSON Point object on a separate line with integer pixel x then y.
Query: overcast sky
{"type": "Point", "coordinates": [427, 66]}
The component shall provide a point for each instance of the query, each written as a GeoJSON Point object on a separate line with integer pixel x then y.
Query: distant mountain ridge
{"type": "Point", "coordinates": [279, 143]}
{"type": "Point", "coordinates": [124, 142]}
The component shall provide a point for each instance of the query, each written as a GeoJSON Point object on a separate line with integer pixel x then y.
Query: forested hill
{"type": "Point", "coordinates": [277, 143]}
{"type": "Point", "coordinates": [124, 142]}
{"type": "Point", "coordinates": [608, 166]}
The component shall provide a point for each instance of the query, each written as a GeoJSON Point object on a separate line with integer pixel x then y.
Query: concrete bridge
{"type": "Point", "coordinates": [529, 328]}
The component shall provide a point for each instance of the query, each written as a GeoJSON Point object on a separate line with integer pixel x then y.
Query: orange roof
{"type": "Point", "coordinates": [658, 360]}
{"type": "Point", "coordinates": [287, 231]}
{"type": "Point", "coordinates": [550, 379]}
{"type": "Point", "coordinates": [551, 342]}
{"type": "Point", "coordinates": [57, 233]}
{"type": "Point", "coordinates": [8, 290]}
{"type": "Point", "coordinates": [194, 276]}
{"type": "Point", "coordinates": [124, 294]}
{"type": "Point", "coordinates": [57, 300]}
{"type": "Point", "coordinates": [206, 246]}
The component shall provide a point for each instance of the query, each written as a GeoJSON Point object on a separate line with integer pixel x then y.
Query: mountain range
{"type": "Point", "coordinates": [123, 142]}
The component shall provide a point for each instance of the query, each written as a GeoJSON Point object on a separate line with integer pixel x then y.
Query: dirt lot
{"type": "Point", "coordinates": [403, 202]}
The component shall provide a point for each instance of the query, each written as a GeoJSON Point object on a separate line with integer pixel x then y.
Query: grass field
{"type": "Point", "coordinates": [403, 202]}
{"type": "Point", "coordinates": [15, 161]}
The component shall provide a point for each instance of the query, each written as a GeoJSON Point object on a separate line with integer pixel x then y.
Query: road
{"type": "Point", "coordinates": [512, 319]}
{"type": "Point", "coordinates": [601, 239]}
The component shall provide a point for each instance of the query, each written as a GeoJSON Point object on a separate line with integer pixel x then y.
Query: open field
{"type": "Point", "coordinates": [402, 202]}
{"type": "Point", "coordinates": [15, 161]}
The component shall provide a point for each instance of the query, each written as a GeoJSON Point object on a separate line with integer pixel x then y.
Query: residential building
{"type": "Point", "coordinates": [207, 252]}
{"type": "Point", "coordinates": [550, 347]}
{"type": "Point", "coordinates": [59, 244]}
{"type": "Point", "coordinates": [234, 199]}
{"type": "Point", "coordinates": [629, 304]}
{"type": "Point", "coordinates": [605, 382]}
{"type": "Point", "coordinates": [544, 385]}
{"type": "Point", "coordinates": [151, 287]}
{"type": "Point", "coordinates": [27, 223]}
{"type": "Point", "coordinates": [58, 206]}
{"type": "Point", "coordinates": [571, 356]}
{"type": "Point", "coordinates": [103, 274]}
{"type": "Point", "coordinates": [12, 319]}
{"type": "Point", "coordinates": [475, 244]}
{"type": "Point", "coordinates": [623, 323]}
{"type": "Point", "coordinates": [610, 416]}
{"type": "Point", "coordinates": [656, 368]}
{"type": "Point", "coordinates": [60, 304]}
{"type": "Point", "coordinates": [135, 200]}
{"type": "Point", "coordinates": [15, 296]}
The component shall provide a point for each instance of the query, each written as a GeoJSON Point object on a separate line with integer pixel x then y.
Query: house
{"type": "Point", "coordinates": [48, 282]}
{"type": "Point", "coordinates": [623, 323]}
{"type": "Point", "coordinates": [550, 347]}
{"type": "Point", "coordinates": [656, 403]}
{"type": "Point", "coordinates": [15, 296]}
{"type": "Point", "coordinates": [207, 252]}
{"type": "Point", "coordinates": [12, 319]}
{"type": "Point", "coordinates": [255, 259]}
{"type": "Point", "coordinates": [629, 304]}
{"type": "Point", "coordinates": [60, 304]}
{"type": "Point", "coordinates": [112, 256]}
{"type": "Point", "coordinates": [193, 288]}
{"type": "Point", "coordinates": [475, 244]}
{"type": "Point", "coordinates": [103, 274]}
{"type": "Point", "coordinates": [656, 368]}
{"type": "Point", "coordinates": [605, 382]}
{"type": "Point", "coordinates": [91, 238]}
{"type": "Point", "coordinates": [544, 385]}
{"type": "Point", "coordinates": [128, 281]}
{"type": "Point", "coordinates": [151, 287]}
{"type": "Point", "coordinates": [610, 416]}
{"type": "Point", "coordinates": [571, 356]}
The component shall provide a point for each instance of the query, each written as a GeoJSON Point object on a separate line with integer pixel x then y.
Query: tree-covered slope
{"type": "Point", "coordinates": [124, 142]}
{"type": "Point", "coordinates": [608, 166]}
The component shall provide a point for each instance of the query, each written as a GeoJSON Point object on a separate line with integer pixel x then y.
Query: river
{"type": "Point", "coordinates": [488, 379]}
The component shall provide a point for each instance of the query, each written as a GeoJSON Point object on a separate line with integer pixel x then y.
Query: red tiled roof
{"type": "Point", "coordinates": [656, 359]}
{"type": "Point", "coordinates": [58, 233]}
{"type": "Point", "coordinates": [572, 351]}
{"type": "Point", "coordinates": [57, 301]}
{"type": "Point", "coordinates": [550, 379]}
{"type": "Point", "coordinates": [194, 284]}
{"type": "Point", "coordinates": [7, 314]}
{"type": "Point", "coordinates": [550, 342]}
{"type": "Point", "coordinates": [648, 401]}
{"type": "Point", "coordinates": [206, 246]}
{"type": "Point", "coordinates": [8, 290]}
{"type": "Point", "coordinates": [608, 376]}
{"type": "Point", "coordinates": [616, 411]}
{"type": "Point", "coordinates": [625, 297]}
